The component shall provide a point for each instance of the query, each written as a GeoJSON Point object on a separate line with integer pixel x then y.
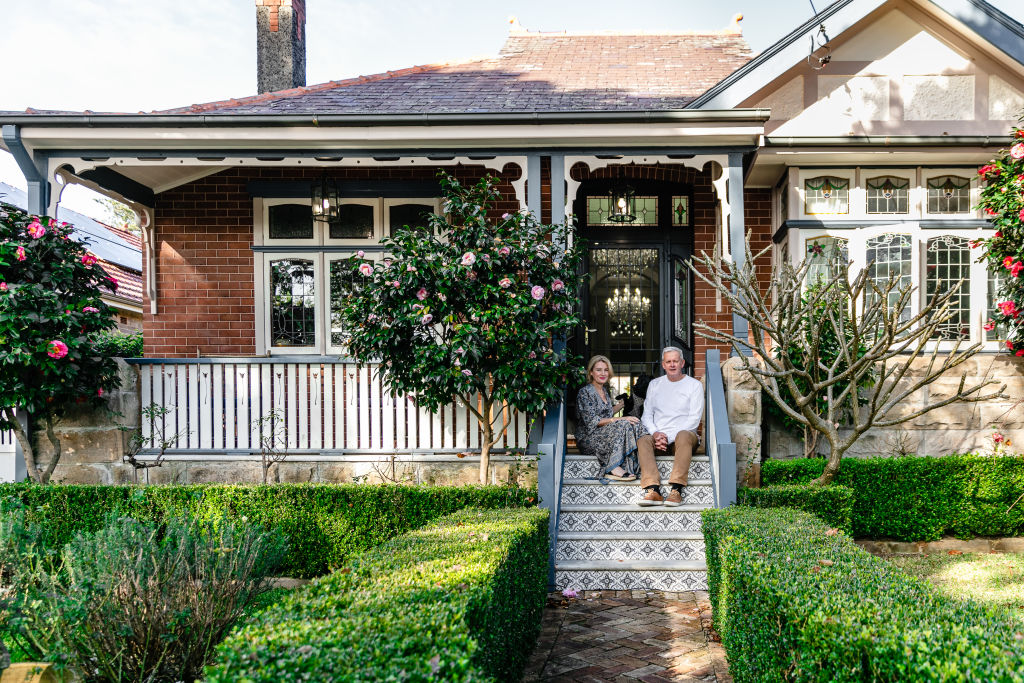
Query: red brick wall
{"type": "Point", "coordinates": [204, 259]}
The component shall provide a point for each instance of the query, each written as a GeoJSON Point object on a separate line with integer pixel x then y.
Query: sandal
{"type": "Point", "coordinates": [620, 477]}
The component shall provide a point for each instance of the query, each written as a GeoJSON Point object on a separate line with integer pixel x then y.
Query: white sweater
{"type": "Point", "coordinates": [671, 407]}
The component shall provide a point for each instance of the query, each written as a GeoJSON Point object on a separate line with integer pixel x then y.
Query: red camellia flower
{"type": "Point", "coordinates": [1020, 353]}
{"type": "Point", "coordinates": [989, 326]}
{"type": "Point", "coordinates": [1017, 151]}
{"type": "Point", "coordinates": [1007, 262]}
{"type": "Point", "coordinates": [998, 234]}
{"type": "Point", "coordinates": [88, 259]}
{"type": "Point", "coordinates": [56, 349]}
{"type": "Point", "coordinates": [1021, 214]}
{"type": "Point", "coordinates": [990, 211]}
{"type": "Point", "coordinates": [1016, 268]}
{"type": "Point", "coordinates": [20, 254]}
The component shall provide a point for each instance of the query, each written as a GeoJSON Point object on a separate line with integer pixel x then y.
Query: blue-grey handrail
{"type": "Point", "coordinates": [720, 448]}
{"type": "Point", "coordinates": [550, 463]}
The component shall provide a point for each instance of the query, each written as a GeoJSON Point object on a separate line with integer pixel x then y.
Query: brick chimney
{"type": "Point", "coordinates": [280, 44]}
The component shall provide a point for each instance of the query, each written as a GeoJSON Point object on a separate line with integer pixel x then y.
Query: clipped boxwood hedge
{"type": "Point", "coordinates": [793, 603]}
{"type": "Point", "coordinates": [459, 600]}
{"type": "Point", "coordinates": [832, 504]}
{"type": "Point", "coordinates": [920, 498]}
{"type": "Point", "coordinates": [325, 523]}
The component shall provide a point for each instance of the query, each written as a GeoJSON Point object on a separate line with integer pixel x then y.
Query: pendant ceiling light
{"type": "Point", "coordinates": [326, 203]}
{"type": "Point", "coordinates": [622, 204]}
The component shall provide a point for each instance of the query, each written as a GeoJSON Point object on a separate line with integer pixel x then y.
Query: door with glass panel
{"type": "Point", "coordinates": [638, 298]}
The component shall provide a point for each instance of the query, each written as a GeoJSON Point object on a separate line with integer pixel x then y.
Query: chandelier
{"type": "Point", "coordinates": [623, 261]}
{"type": "Point", "coordinates": [626, 306]}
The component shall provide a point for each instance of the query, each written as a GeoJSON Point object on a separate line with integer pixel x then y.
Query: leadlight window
{"type": "Point", "coordinates": [292, 302]}
{"type": "Point", "coordinates": [356, 221]}
{"type": "Point", "coordinates": [598, 208]}
{"type": "Point", "coordinates": [949, 194]}
{"type": "Point", "coordinates": [680, 210]}
{"type": "Point", "coordinates": [290, 222]}
{"type": "Point", "coordinates": [681, 299]}
{"type": "Point", "coordinates": [889, 257]}
{"type": "Point", "coordinates": [888, 194]}
{"type": "Point", "coordinates": [343, 279]}
{"type": "Point", "coordinates": [826, 194]}
{"type": "Point", "coordinates": [996, 281]}
{"type": "Point", "coordinates": [828, 257]}
{"type": "Point", "coordinates": [947, 263]}
{"type": "Point", "coordinates": [413, 215]}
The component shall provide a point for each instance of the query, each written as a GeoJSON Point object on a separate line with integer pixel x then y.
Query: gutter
{"type": "Point", "coordinates": [38, 187]}
{"type": "Point", "coordinates": [335, 120]}
{"type": "Point", "coordinates": [889, 141]}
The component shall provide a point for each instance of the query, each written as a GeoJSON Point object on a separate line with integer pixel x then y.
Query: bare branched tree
{"type": "Point", "coordinates": [154, 415]}
{"type": "Point", "coordinates": [273, 442]}
{"type": "Point", "coordinates": [878, 341]}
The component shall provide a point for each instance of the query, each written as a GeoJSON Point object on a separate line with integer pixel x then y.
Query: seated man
{"type": "Point", "coordinates": [672, 412]}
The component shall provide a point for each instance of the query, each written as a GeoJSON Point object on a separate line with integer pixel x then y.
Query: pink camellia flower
{"type": "Point", "coordinates": [442, 297]}
{"type": "Point", "coordinates": [395, 283]}
{"type": "Point", "coordinates": [1017, 151]}
{"type": "Point", "coordinates": [485, 257]}
{"type": "Point", "coordinates": [504, 251]}
{"type": "Point", "coordinates": [113, 282]}
{"type": "Point", "coordinates": [99, 392]}
{"type": "Point", "coordinates": [427, 319]}
{"type": "Point", "coordinates": [557, 285]}
{"type": "Point", "coordinates": [422, 293]}
{"type": "Point", "coordinates": [532, 354]}
{"type": "Point", "coordinates": [36, 229]}
{"type": "Point", "coordinates": [1021, 214]}
{"type": "Point", "coordinates": [471, 275]}
{"type": "Point", "coordinates": [366, 269]}
{"type": "Point", "coordinates": [989, 325]}
{"type": "Point", "coordinates": [88, 259]}
{"type": "Point", "coordinates": [417, 307]}
{"type": "Point", "coordinates": [20, 254]}
{"type": "Point", "coordinates": [90, 309]}
{"type": "Point", "coordinates": [998, 437]}
{"type": "Point", "coordinates": [56, 349]}
{"type": "Point", "coordinates": [360, 253]}
{"type": "Point", "coordinates": [410, 268]}
{"type": "Point", "coordinates": [1007, 262]}
{"type": "Point", "coordinates": [569, 593]}
{"type": "Point", "coordinates": [468, 259]}
{"type": "Point", "coordinates": [467, 373]}
{"type": "Point", "coordinates": [537, 292]}
{"type": "Point", "coordinates": [461, 351]}
{"type": "Point", "coordinates": [1008, 308]}
{"type": "Point", "coordinates": [1016, 268]}
{"type": "Point", "coordinates": [505, 283]}
{"type": "Point", "coordinates": [3, 286]}
{"type": "Point", "coordinates": [990, 168]}
{"type": "Point", "coordinates": [505, 216]}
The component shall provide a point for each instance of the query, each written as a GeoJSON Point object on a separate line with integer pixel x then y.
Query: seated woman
{"type": "Point", "coordinates": [614, 440]}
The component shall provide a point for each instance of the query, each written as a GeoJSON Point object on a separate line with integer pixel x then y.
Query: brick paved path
{"type": "Point", "coordinates": [627, 636]}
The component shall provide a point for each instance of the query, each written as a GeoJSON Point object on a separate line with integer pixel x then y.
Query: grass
{"type": "Point", "coordinates": [989, 578]}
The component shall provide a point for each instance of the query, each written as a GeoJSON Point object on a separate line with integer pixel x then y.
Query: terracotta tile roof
{"type": "Point", "coordinates": [129, 282]}
{"type": "Point", "coordinates": [534, 72]}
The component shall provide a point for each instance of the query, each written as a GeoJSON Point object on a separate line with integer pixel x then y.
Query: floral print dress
{"type": "Point", "coordinates": [614, 444]}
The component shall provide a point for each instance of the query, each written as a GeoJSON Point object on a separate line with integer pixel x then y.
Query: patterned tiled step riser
{"type": "Point", "coordinates": [629, 520]}
{"type": "Point", "coordinates": [587, 468]}
{"type": "Point", "coordinates": [668, 580]}
{"type": "Point", "coordinates": [630, 549]}
{"type": "Point", "coordinates": [613, 494]}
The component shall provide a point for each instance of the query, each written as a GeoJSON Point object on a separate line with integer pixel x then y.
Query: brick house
{"type": "Point", "coordinates": [870, 157]}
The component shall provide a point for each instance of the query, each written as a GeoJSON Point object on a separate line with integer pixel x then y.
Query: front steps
{"type": "Point", "coordinates": [608, 542]}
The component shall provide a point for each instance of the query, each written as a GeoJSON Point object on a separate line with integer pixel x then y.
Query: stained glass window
{"type": "Point", "coordinates": [681, 299]}
{"type": "Point", "coordinates": [343, 280]}
{"type": "Point", "coordinates": [680, 210]}
{"type": "Point", "coordinates": [290, 222]}
{"type": "Point", "coordinates": [414, 215]}
{"type": "Point", "coordinates": [828, 258]}
{"type": "Point", "coordinates": [996, 281]}
{"type": "Point", "coordinates": [646, 212]}
{"type": "Point", "coordinates": [356, 221]}
{"type": "Point", "coordinates": [889, 257]}
{"type": "Point", "coordinates": [949, 194]}
{"type": "Point", "coordinates": [292, 303]}
{"type": "Point", "coordinates": [826, 194]}
{"type": "Point", "coordinates": [947, 263]}
{"type": "Point", "coordinates": [888, 194]}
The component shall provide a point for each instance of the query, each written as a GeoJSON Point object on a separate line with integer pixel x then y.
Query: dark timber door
{"type": "Point", "coordinates": [639, 297]}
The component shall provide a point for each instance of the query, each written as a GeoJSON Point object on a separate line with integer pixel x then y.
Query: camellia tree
{"type": "Point", "coordinates": [1002, 197]}
{"type": "Point", "coordinates": [50, 313]}
{"type": "Point", "coordinates": [469, 309]}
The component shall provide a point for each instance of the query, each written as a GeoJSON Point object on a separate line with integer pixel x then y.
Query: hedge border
{"type": "Point", "coordinates": [459, 600]}
{"type": "Point", "coordinates": [832, 504]}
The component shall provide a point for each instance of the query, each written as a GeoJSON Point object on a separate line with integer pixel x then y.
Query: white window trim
{"type": "Point", "coordinates": [285, 243]}
{"type": "Point", "coordinates": [378, 233]}
{"type": "Point", "coordinates": [318, 301]}
{"type": "Point", "coordinates": [434, 202]}
{"type": "Point", "coordinates": [913, 193]}
{"type": "Point", "coordinates": [849, 175]}
{"type": "Point", "coordinates": [975, 192]}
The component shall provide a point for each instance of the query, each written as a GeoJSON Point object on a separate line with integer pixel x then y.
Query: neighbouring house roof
{"type": "Point", "coordinates": [998, 28]}
{"type": "Point", "coordinates": [533, 72]}
{"type": "Point", "coordinates": [118, 251]}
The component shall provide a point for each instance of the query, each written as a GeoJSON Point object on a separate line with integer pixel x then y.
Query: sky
{"type": "Point", "coordinates": [132, 55]}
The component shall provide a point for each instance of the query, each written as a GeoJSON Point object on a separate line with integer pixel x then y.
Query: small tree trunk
{"type": "Point", "coordinates": [26, 446]}
{"type": "Point", "coordinates": [835, 455]}
{"type": "Point", "coordinates": [487, 425]}
{"type": "Point", "coordinates": [52, 436]}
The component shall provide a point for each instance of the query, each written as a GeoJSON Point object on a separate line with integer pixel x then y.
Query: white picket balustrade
{"type": "Point", "coordinates": [324, 405]}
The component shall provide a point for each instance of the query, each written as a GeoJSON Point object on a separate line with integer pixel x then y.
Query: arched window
{"type": "Point", "coordinates": [949, 194]}
{"type": "Point", "coordinates": [826, 194]}
{"type": "Point", "coordinates": [889, 257]}
{"type": "Point", "coordinates": [888, 194]}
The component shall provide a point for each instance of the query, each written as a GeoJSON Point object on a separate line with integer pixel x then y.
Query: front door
{"type": "Point", "coordinates": [638, 299]}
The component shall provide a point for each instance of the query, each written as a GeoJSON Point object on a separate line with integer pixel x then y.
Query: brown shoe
{"type": "Point", "coordinates": [674, 499]}
{"type": "Point", "coordinates": [651, 497]}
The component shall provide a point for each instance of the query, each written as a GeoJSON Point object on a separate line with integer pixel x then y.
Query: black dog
{"type": "Point", "coordinates": [634, 400]}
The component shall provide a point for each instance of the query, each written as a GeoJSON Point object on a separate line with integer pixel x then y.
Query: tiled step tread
{"type": "Point", "coordinates": [632, 565]}
{"type": "Point", "coordinates": [591, 535]}
{"type": "Point", "coordinates": [618, 509]}
{"type": "Point", "coordinates": [632, 519]}
{"type": "Point", "coordinates": [633, 549]}
{"type": "Point", "coordinates": [574, 495]}
{"type": "Point", "coordinates": [585, 466]}
{"type": "Point", "coordinates": [634, 483]}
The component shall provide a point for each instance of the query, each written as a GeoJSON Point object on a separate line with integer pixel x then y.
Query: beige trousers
{"type": "Point", "coordinates": [682, 452]}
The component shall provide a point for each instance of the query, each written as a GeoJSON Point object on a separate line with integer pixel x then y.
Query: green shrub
{"type": "Point", "coordinates": [920, 498]}
{"type": "Point", "coordinates": [119, 344]}
{"type": "Point", "coordinates": [794, 603]}
{"type": "Point", "coordinates": [832, 504]}
{"type": "Point", "coordinates": [459, 600]}
{"type": "Point", "coordinates": [141, 601]}
{"type": "Point", "coordinates": [325, 523]}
